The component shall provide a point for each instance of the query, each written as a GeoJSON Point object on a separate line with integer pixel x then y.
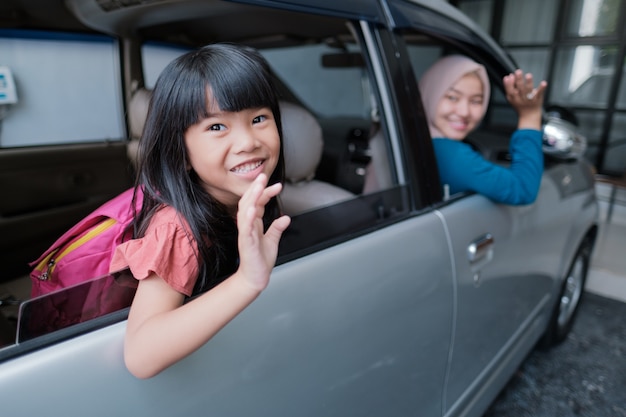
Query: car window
{"type": "Point", "coordinates": [78, 69]}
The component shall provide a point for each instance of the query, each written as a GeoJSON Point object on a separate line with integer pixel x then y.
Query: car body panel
{"type": "Point", "coordinates": [517, 277]}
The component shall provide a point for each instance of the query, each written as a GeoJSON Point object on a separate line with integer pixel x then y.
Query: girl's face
{"type": "Point", "coordinates": [460, 109]}
{"type": "Point", "coordinates": [228, 150]}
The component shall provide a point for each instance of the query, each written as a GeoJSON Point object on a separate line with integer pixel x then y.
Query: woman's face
{"type": "Point", "coordinates": [460, 109]}
{"type": "Point", "coordinates": [228, 150]}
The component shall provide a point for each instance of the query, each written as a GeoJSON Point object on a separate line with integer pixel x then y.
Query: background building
{"type": "Point", "coordinates": [579, 47]}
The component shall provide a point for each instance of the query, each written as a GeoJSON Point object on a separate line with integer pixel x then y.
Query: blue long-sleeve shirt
{"type": "Point", "coordinates": [464, 169]}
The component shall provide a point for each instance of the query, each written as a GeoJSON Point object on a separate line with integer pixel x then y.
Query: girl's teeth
{"type": "Point", "coordinates": [247, 167]}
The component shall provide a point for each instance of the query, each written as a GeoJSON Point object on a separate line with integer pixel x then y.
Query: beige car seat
{"type": "Point", "coordinates": [137, 113]}
{"type": "Point", "coordinates": [303, 146]}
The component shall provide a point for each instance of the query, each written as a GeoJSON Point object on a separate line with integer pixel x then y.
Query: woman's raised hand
{"type": "Point", "coordinates": [258, 250]}
{"type": "Point", "coordinates": [525, 98]}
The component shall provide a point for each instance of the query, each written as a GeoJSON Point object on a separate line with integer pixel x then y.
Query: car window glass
{"type": "Point", "coordinates": [345, 87]}
{"type": "Point", "coordinates": [75, 305]}
{"type": "Point", "coordinates": [50, 107]}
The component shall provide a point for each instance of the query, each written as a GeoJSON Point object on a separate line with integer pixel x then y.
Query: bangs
{"type": "Point", "coordinates": [241, 86]}
{"type": "Point", "coordinates": [233, 78]}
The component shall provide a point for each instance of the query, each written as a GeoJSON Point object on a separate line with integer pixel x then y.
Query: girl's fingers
{"type": "Point", "coordinates": [253, 193]}
{"type": "Point", "coordinates": [252, 203]}
{"type": "Point", "coordinates": [277, 228]}
{"type": "Point", "coordinates": [259, 193]}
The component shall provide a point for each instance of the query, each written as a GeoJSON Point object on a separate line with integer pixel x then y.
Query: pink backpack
{"type": "Point", "coordinates": [84, 252]}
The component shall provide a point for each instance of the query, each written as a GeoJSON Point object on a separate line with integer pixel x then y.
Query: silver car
{"type": "Point", "coordinates": [390, 298]}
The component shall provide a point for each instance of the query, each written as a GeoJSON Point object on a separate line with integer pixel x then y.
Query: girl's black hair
{"type": "Point", "coordinates": [238, 78]}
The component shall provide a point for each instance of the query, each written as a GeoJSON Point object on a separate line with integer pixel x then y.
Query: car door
{"type": "Point", "coordinates": [503, 290]}
{"type": "Point", "coordinates": [504, 257]}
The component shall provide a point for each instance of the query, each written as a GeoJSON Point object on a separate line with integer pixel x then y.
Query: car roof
{"type": "Point", "coordinates": [198, 22]}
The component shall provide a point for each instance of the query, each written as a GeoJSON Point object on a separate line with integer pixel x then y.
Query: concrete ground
{"type": "Point", "coordinates": [585, 376]}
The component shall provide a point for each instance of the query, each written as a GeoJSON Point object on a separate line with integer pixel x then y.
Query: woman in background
{"type": "Point", "coordinates": [455, 92]}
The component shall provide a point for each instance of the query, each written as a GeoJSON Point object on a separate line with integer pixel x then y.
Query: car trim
{"type": "Point", "coordinates": [383, 91]}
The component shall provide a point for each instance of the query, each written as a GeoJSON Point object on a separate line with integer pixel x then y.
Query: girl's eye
{"type": "Point", "coordinates": [452, 98]}
{"type": "Point", "coordinates": [217, 127]}
{"type": "Point", "coordinates": [259, 119]}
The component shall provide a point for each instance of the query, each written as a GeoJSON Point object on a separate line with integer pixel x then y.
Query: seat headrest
{"type": "Point", "coordinates": [138, 111]}
{"type": "Point", "coordinates": [302, 142]}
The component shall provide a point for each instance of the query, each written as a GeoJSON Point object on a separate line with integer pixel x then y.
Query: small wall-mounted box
{"type": "Point", "coordinates": [8, 95]}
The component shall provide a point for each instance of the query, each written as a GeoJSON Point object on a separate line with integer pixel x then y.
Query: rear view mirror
{"type": "Point", "coordinates": [562, 139]}
{"type": "Point", "coordinates": [343, 60]}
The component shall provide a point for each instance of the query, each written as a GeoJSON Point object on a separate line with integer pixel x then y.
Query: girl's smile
{"type": "Point", "coordinates": [253, 167]}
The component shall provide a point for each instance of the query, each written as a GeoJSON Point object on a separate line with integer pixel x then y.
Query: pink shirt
{"type": "Point", "coordinates": [167, 250]}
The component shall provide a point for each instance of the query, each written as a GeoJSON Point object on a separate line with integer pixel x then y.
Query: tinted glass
{"type": "Point", "coordinates": [75, 305]}
{"type": "Point", "coordinates": [337, 88]}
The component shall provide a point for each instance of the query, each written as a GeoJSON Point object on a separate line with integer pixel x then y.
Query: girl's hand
{"type": "Point", "coordinates": [258, 250]}
{"type": "Point", "coordinates": [525, 98]}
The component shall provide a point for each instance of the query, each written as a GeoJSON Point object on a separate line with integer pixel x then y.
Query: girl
{"type": "Point", "coordinates": [455, 92]}
{"type": "Point", "coordinates": [211, 143]}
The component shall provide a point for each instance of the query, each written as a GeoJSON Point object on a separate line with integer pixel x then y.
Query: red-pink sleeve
{"type": "Point", "coordinates": [166, 250]}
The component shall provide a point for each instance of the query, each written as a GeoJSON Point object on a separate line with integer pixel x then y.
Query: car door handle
{"type": "Point", "coordinates": [480, 248]}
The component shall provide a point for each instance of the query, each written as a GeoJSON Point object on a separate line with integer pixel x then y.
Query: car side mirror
{"type": "Point", "coordinates": [562, 139]}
